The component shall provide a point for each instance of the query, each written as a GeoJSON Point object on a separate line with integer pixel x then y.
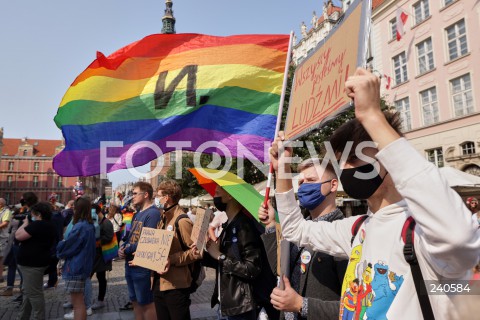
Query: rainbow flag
{"type": "Point", "coordinates": [127, 222]}
{"type": "Point", "coordinates": [110, 250]}
{"type": "Point", "coordinates": [173, 87]}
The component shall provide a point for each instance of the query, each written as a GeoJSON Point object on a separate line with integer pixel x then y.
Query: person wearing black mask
{"type": "Point", "coordinates": [417, 228]}
{"type": "Point", "coordinates": [243, 274]}
{"type": "Point", "coordinates": [315, 277]}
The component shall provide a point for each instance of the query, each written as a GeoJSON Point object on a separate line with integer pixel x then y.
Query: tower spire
{"type": "Point", "coordinates": [168, 18]}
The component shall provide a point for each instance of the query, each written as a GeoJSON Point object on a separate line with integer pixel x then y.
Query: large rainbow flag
{"type": "Point", "coordinates": [173, 87]}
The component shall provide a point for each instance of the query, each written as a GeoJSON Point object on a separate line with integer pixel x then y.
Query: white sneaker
{"type": "Point", "coordinates": [68, 315]}
{"type": "Point", "coordinates": [98, 305]}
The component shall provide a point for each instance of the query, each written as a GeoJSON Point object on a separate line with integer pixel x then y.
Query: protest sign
{"type": "Point", "coordinates": [153, 249]}
{"type": "Point", "coordinates": [200, 228]}
{"type": "Point", "coordinates": [318, 91]}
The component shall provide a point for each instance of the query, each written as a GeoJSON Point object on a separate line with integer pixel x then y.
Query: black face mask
{"type": "Point", "coordinates": [217, 202]}
{"type": "Point", "coordinates": [360, 188]}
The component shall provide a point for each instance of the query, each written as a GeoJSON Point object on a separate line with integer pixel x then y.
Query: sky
{"type": "Point", "coordinates": [45, 45]}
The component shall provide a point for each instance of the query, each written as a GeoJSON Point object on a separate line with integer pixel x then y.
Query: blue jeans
{"type": "Point", "coordinates": [139, 285]}
{"type": "Point", "coordinates": [12, 267]}
{"type": "Point", "coordinates": [87, 294]}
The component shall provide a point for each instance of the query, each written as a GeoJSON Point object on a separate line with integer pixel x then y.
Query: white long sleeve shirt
{"type": "Point", "coordinates": [447, 242]}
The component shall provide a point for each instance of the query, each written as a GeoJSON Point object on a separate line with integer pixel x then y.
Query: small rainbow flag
{"type": "Point", "coordinates": [110, 250]}
{"type": "Point", "coordinates": [127, 222]}
{"type": "Point", "coordinates": [173, 87]}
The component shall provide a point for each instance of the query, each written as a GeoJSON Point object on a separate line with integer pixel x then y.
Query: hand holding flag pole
{"type": "Point", "coordinates": [279, 116]}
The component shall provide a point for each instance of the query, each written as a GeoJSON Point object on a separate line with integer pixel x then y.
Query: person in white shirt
{"type": "Point", "coordinates": [215, 227]}
{"type": "Point", "coordinates": [116, 219]}
{"type": "Point", "coordinates": [397, 183]}
{"type": "Point", "coordinates": [192, 214]}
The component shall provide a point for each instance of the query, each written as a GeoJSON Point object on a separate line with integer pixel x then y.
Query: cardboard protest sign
{"type": "Point", "coordinates": [153, 249]}
{"type": "Point", "coordinates": [318, 92]}
{"type": "Point", "coordinates": [200, 228]}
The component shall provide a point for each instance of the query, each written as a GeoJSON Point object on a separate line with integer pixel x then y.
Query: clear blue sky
{"type": "Point", "coordinates": [46, 44]}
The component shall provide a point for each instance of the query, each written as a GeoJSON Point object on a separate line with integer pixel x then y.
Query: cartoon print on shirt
{"type": "Point", "coordinates": [368, 290]}
{"type": "Point", "coordinates": [384, 289]}
{"type": "Point", "coordinates": [350, 282]}
{"type": "Point", "coordinates": [351, 272]}
{"type": "Point", "coordinates": [365, 294]}
{"type": "Point", "coordinates": [350, 299]}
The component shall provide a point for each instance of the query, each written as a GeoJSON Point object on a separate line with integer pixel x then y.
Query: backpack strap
{"type": "Point", "coordinates": [177, 231]}
{"type": "Point", "coordinates": [356, 226]}
{"type": "Point", "coordinates": [410, 256]}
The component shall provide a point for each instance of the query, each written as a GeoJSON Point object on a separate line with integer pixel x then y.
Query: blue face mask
{"type": "Point", "coordinates": [310, 195]}
{"type": "Point", "coordinates": [158, 204]}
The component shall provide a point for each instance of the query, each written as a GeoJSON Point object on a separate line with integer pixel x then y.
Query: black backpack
{"type": "Point", "coordinates": [196, 269]}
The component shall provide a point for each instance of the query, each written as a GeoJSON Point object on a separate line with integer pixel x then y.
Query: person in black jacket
{"type": "Point", "coordinates": [241, 257]}
{"type": "Point", "coordinates": [315, 280]}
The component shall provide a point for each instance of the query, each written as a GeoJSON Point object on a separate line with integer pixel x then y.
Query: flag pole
{"type": "Point", "coordinates": [279, 115]}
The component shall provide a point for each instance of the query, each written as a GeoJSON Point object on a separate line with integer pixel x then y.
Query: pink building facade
{"type": "Point", "coordinates": [435, 76]}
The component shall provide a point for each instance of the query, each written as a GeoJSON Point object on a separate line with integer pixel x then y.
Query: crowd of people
{"type": "Point", "coordinates": [367, 267]}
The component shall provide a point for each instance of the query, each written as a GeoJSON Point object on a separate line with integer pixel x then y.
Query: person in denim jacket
{"type": "Point", "coordinates": [78, 250]}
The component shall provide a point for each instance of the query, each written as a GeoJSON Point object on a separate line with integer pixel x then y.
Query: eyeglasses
{"type": "Point", "coordinates": [135, 193]}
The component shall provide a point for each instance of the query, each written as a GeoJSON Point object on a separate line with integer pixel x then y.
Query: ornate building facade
{"type": "Point", "coordinates": [319, 29]}
{"type": "Point", "coordinates": [435, 76]}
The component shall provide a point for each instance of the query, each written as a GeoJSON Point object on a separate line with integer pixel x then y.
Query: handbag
{"type": "Point", "coordinates": [110, 250]}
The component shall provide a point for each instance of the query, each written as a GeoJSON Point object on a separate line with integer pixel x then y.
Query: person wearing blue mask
{"type": "Point", "coordinates": [315, 278]}
{"type": "Point", "coordinates": [417, 228]}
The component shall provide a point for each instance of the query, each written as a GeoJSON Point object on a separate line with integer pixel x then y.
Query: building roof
{"type": "Point", "coordinates": [330, 10]}
{"type": "Point", "coordinates": [377, 3]}
{"type": "Point", "coordinates": [40, 147]}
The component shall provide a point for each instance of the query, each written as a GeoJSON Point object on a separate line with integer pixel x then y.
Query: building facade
{"type": "Point", "coordinates": [435, 76]}
{"type": "Point", "coordinates": [319, 29]}
{"type": "Point", "coordinates": [27, 165]}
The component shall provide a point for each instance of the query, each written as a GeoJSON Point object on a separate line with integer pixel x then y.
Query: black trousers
{"type": "Point", "coordinates": [172, 304]}
{"type": "Point", "coordinates": [102, 285]}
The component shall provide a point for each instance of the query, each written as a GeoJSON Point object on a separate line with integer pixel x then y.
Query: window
{"type": "Point", "coordinates": [36, 166]}
{"type": "Point", "coordinates": [435, 156]}
{"type": "Point", "coordinates": [11, 166]}
{"type": "Point", "coordinates": [24, 153]}
{"type": "Point", "coordinates": [462, 95]}
{"type": "Point", "coordinates": [9, 181]}
{"type": "Point", "coordinates": [447, 2]}
{"type": "Point", "coordinates": [7, 197]}
{"type": "Point", "coordinates": [393, 29]}
{"type": "Point", "coordinates": [35, 181]}
{"type": "Point", "coordinates": [425, 56]}
{"type": "Point", "coordinates": [59, 182]}
{"type": "Point", "coordinates": [421, 11]}
{"type": "Point", "coordinates": [173, 157]}
{"type": "Point", "coordinates": [428, 100]}
{"type": "Point", "coordinates": [400, 68]}
{"type": "Point", "coordinates": [468, 148]}
{"type": "Point", "coordinates": [457, 40]}
{"type": "Point", "coordinates": [403, 107]}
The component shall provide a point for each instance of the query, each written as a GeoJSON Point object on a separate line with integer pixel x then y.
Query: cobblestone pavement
{"type": "Point", "coordinates": [116, 297]}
